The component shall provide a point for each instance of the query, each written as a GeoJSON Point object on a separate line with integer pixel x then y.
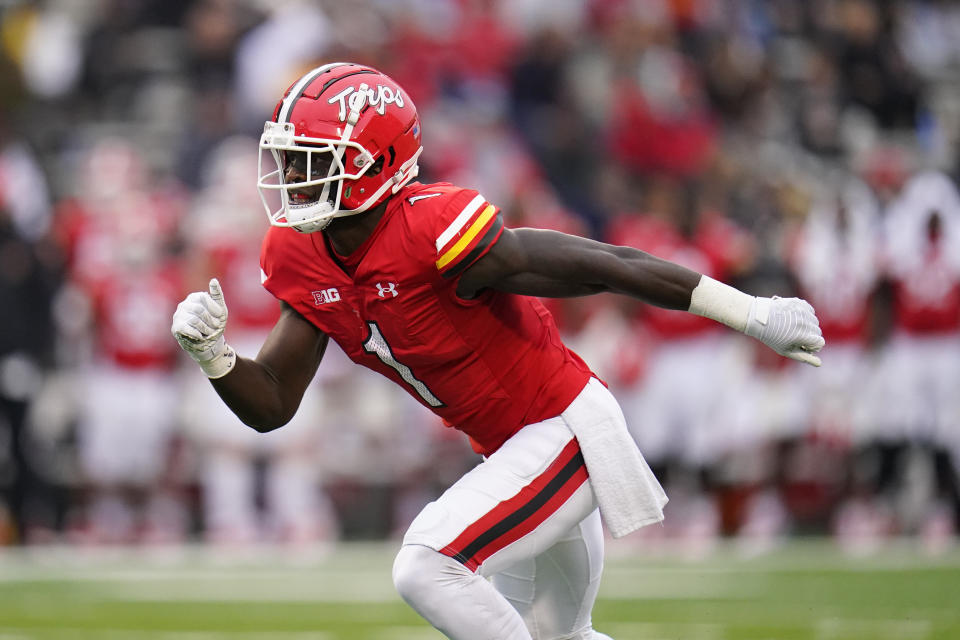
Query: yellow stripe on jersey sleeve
{"type": "Point", "coordinates": [467, 237]}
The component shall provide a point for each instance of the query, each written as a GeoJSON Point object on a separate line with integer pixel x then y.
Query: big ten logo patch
{"type": "Point", "coordinates": [325, 296]}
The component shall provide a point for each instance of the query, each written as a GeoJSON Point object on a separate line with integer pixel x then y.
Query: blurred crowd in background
{"type": "Point", "coordinates": [788, 147]}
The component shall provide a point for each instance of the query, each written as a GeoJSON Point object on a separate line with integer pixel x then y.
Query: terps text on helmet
{"type": "Point", "coordinates": [378, 98]}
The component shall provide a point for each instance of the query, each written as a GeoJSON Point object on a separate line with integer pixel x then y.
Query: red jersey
{"type": "Point", "coordinates": [843, 309]}
{"type": "Point", "coordinates": [236, 264]}
{"type": "Point", "coordinates": [120, 263]}
{"type": "Point", "coordinates": [927, 296]}
{"type": "Point", "coordinates": [487, 366]}
{"type": "Point", "coordinates": [131, 314]}
{"type": "Point", "coordinates": [837, 271]}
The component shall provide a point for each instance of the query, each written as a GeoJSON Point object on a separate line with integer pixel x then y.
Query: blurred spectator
{"type": "Point", "coordinates": [874, 73]}
{"type": "Point", "coordinates": [224, 230]}
{"type": "Point", "coordinates": [117, 235]}
{"type": "Point", "coordinates": [922, 260]}
{"type": "Point", "coordinates": [837, 262]}
{"type": "Point", "coordinates": [214, 29]}
{"type": "Point", "coordinates": [911, 386]}
{"type": "Point", "coordinates": [272, 54]}
{"type": "Point", "coordinates": [661, 124]}
{"type": "Point", "coordinates": [29, 273]}
{"type": "Point", "coordinates": [676, 413]}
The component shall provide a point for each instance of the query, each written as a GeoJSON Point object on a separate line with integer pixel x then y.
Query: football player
{"type": "Point", "coordinates": [424, 284]}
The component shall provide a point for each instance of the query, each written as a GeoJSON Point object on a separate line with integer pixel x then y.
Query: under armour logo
{"type": "Point", "coordinates": [391, 288]}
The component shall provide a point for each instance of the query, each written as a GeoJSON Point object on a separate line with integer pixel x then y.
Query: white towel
{"type": "Point", "coordinates": [629, 495]}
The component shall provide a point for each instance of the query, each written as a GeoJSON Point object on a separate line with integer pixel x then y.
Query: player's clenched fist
{"type": "Point", "coordinates": [789, 326]}
{"type": "Point", "coordinates": [198, 325]}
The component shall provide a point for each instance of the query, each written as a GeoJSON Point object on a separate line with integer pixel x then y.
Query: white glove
{"type": "Point", "coordinates": [198, 325]}
{"type": "Point", "coordinates": [789, 326]}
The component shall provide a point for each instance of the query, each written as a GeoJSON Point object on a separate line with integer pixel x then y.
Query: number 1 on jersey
{"type": "Point", "coordinates": [377, 345]}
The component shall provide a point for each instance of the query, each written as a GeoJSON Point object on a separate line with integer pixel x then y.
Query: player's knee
{"type": "Point", "coordinates": [411, 573]}
{"type": "Point", "coordinates": [420, 572]}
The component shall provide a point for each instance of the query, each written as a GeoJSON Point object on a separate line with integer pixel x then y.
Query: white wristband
{"type": "Point", "coordinates": [721, 302]}
{"type": "Point", "coordinates": [221, 364]}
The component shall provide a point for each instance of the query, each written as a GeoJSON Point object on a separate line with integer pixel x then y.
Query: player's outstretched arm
{"type": "Point", "coordinates": [551, 264]}
{"type": "Point", "coordinates": [264, 392]}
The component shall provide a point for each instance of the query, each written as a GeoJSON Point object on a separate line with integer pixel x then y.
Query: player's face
{"type": "Point", "coordinates": [296, 165]}
{"type": "Point", "coordinates": [934, 227]}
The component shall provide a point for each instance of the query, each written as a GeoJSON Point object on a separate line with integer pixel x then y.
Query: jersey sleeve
{"type": "Point", "coordinates": [267, 265]}
{"type": "Point", "coordinates": [467, 229]}
{"type": "Point", "coordinates": [277, 258]}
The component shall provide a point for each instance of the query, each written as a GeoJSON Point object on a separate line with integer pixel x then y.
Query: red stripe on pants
{"type": "Point", "coordinates": [517, 516]}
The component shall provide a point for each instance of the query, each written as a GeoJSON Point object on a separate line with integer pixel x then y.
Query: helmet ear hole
{"type": "Point", "coordinates": [377, 166]}
{"type": "Point", "coordinates": [393, 155]}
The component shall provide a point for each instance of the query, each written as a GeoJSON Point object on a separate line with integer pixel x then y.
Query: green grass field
{"type": "Point", "coordinates": [803, 591]}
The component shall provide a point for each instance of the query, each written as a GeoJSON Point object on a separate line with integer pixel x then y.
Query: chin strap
{"type": "Point", "coordinates": [407, 172]}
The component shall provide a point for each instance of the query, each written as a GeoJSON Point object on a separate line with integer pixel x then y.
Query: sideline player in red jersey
{"type": "Point", "coordinates": [424, 284]}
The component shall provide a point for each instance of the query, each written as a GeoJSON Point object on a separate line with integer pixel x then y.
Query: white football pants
{"type": "Point", "coordinates": [514, 549]}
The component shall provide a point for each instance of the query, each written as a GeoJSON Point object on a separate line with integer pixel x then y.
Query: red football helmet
{"type": "Point", "coordinates": [345, 137]}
